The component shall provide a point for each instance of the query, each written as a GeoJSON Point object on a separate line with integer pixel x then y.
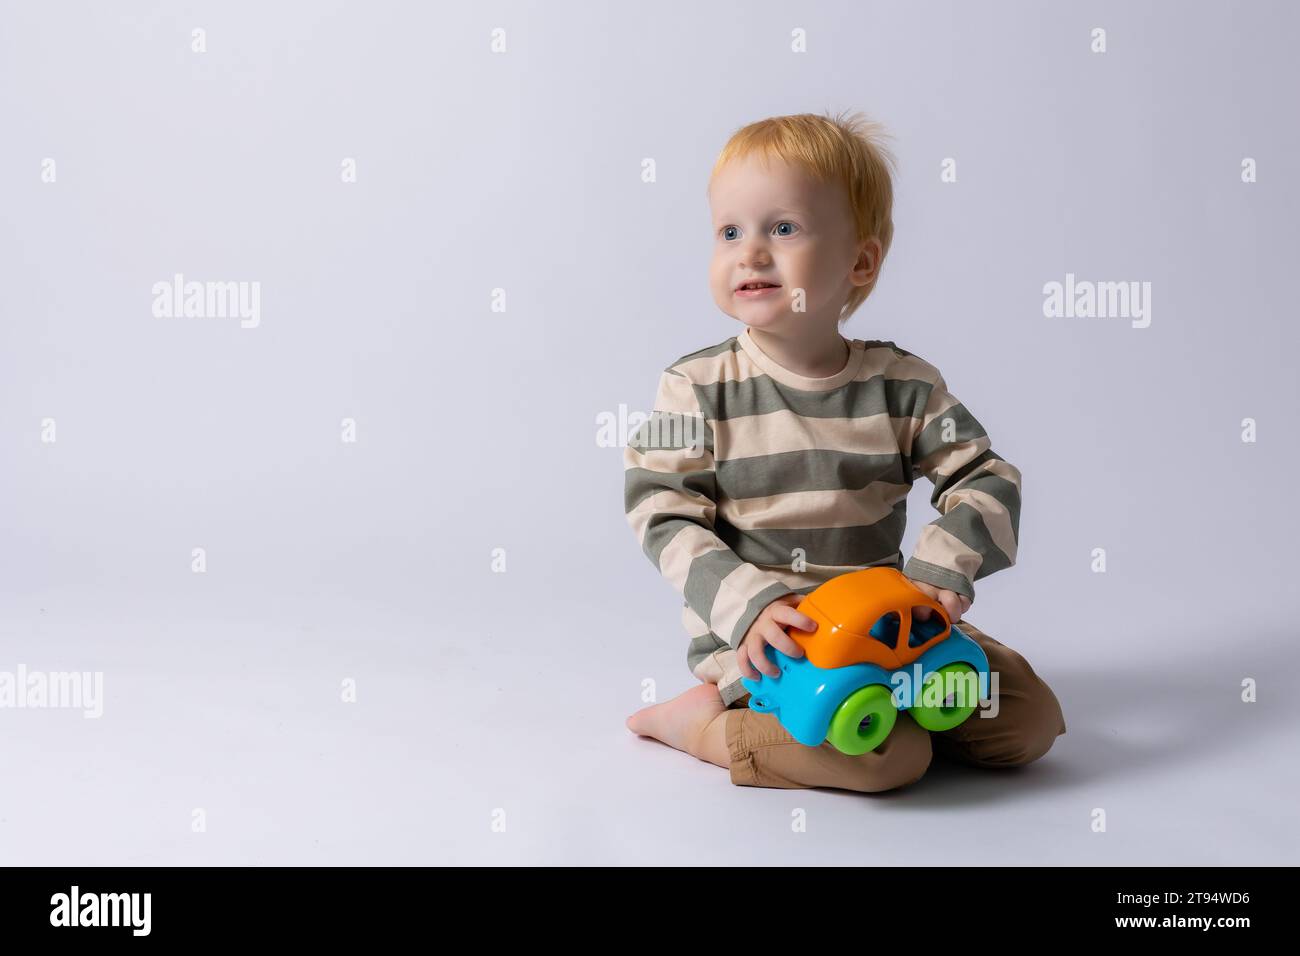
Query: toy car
{"type": "Point", "coordinates": [867, 660]}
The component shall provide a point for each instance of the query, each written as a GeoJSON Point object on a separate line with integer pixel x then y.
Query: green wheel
{"type": "Point", "coordinates": [960, 697]}
{"type": "Point", "coordinates": [863, 721]}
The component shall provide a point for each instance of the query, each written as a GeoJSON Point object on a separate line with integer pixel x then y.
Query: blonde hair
{"type": "Point", "coordinates": [848, 149]}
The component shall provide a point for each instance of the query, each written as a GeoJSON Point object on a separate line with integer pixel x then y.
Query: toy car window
{"type": "Point", "coordinates": [885, 630]}
{"type": "Point", "coordinates": [923, 631]}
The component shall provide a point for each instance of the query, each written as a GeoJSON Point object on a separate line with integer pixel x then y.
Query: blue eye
{"type": "Point", "coordinates": [786, 223]}
{"type": "Point", "coordinates": [727, 229]}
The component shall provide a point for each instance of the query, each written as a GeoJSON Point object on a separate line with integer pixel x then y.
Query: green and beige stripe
{"type": "Point", "coordinates": [683, 503]}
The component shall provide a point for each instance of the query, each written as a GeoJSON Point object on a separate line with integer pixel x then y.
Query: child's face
{"type": "Point", "coordinates": [778, 224]}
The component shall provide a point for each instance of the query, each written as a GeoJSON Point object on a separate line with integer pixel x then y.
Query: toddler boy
{"type": "Point", "coordinates": [782, 457]}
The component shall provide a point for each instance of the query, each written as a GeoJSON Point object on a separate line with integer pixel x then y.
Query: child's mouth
{"type": "Point", "coordinates": [757, 290]}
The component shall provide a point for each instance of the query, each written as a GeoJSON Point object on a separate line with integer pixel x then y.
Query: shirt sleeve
{"type": "Point", "coordinates": [976, 492]}
{"type": "Point", "coordinates": [670, 498]}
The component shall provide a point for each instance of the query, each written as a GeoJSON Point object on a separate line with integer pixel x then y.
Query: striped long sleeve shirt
{"type": "Point", "coordinates": [749, 482]}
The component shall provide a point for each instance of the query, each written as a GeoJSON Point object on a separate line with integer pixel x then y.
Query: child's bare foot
{"type": "Point", "coordinates": [690, 722]}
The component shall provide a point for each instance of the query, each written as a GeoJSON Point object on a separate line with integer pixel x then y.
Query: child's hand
{"type": "Point", "coordinates": [767, 629]}
{"type": "Point", "coordinates": [955, 604]}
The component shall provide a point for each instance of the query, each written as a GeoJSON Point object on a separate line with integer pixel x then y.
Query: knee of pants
{"type": "Point", "coordinates": [1029, 719]}
{"type": "Point", "coordinates": [902, 759]}
{"type": "Point", "coordinates": [764, 755]}
{"type": "Point", "coordinates": [1038, 723]}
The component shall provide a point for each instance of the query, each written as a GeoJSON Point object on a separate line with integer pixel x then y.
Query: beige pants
{"type": "Point", "coordinates": [1029, 720]}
